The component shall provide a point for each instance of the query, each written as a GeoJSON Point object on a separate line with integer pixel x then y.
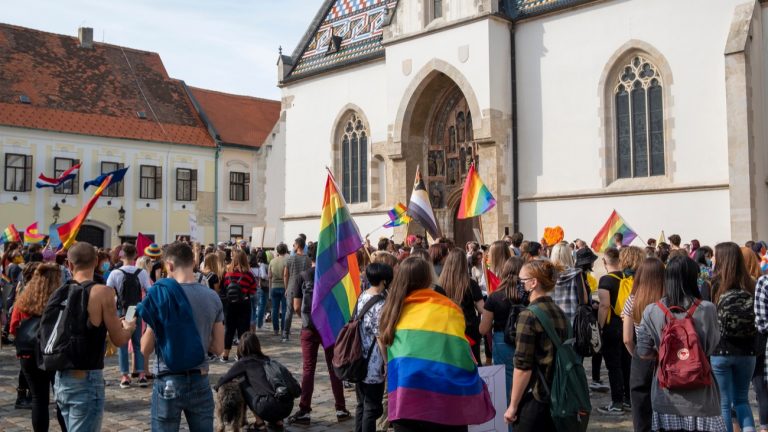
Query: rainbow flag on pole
{"type": "Point", "coordinates": [431, 375]}
{"type": "Point", "coordinates": [32, 235]}
{"type": "Point", "coordinates": [10, 234]}
{"type": "Point", "coordinates": [476, 199]}
{"type": "Point", "coordinates": [397, 216]}
{"type": "Point", "coordinates": [68, 231]}
{"type": "Point", "coordinates": [337, 275]}
{"type": "Point", "coordinates": [614, 224]}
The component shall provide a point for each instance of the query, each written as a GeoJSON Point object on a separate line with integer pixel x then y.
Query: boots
{"type": "Point", "coordinates": [23, 399]}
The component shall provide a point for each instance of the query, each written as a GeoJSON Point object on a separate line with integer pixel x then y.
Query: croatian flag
{"type": "Point", "coordinates": [43, 181]}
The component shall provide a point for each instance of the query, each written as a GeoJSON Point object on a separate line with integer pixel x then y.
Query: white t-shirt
{"type": "Point", "coordinates": [116, 277]}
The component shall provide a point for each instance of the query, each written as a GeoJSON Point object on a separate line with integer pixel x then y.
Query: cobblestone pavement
{"type": "Point", "coordinates": [128, 410]}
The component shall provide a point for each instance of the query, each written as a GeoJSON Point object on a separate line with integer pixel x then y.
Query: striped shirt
{"type": "Point", "coordinates": [245, 280]}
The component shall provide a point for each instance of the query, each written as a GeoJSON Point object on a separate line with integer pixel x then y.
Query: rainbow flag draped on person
{"type": "Point", "coordinates": [68, 231]}
{"type": "Point", "coordinates": [614, 224]}
{"type": "Point", "coordinates": [431, 375]}
{"type": "Point", "coordinates": [32, 235]}
{"type": "Point", "coordinates": [10, 234]}
{"type": "Point", "coordinates": [398, 216]}
{"type": "Point", "coordinates": [476, 199]}
{"type": "Point", "coordinates": [337, 275]}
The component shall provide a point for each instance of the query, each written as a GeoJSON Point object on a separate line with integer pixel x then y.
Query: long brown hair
{"type": "Point", "coordinates": [647, 287]}
{"type": "Point", "coordinates": [211, 263]}
{"type": "Point", "coordinates": [499, 253]}
{"type": "Point", "coordinates": [730, 271]}
{"type": "Point", "coordinates": [412, 274]}
{"type": "Point", "coordinates": [45, 281]}
{"type": "Point", "coordinates": [510, 276]}
{"type": "Point", "coordinates": [750, 260]}
{"type": "Point", "coordinates": [239, 262]}
{"type": "Point", "coordinates": [455, 275]}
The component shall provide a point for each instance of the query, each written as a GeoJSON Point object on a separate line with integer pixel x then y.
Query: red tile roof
{"type": "Point", "coordinates": [92, 91]}
{"type": "Point", "coordinates": [241, 120]}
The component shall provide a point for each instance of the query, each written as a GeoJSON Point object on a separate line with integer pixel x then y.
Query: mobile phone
{"type": "Point", "coordinates": [129, 314]}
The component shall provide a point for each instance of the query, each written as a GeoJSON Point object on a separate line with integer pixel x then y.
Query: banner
{"type": "Point", "coordinates": [495, 379]}
{"type": "Point", "coordinates": [193, 235]}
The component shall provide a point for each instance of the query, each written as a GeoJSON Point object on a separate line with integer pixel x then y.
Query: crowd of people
{"type": "Point", "coordinates": [140, 304]}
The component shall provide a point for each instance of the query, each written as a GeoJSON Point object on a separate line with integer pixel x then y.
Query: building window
{"type": "Point", "coordinates": [151, 182]}
{"type": "Point", "coordinates": [18, 172]}
{"type": "Point", "coordinates": [437, 9]}
{"type": "Point", "coordinates": [186, 184]}
{"type": "Point", "coordinates": [59, 166]}
{"type": "Point", "coordinates": [239, 186]}
{"type": "Point", "coordinates": [116, 189]}
{"type": "Point", "coordinates": [354, 160]}
{"type": "Point", "coordinates": [639, 114]}
{"type": "Point", "coordinates": [235, 232]}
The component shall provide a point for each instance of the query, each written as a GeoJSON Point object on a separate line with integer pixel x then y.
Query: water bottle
{"type": "Point", "coordinates": [169, 392]}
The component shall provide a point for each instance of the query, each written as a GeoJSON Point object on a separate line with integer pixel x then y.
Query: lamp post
{"type": "Point", "coordinates": [121, 218]}
{"type": "Point", "coordinates": [56, 212]}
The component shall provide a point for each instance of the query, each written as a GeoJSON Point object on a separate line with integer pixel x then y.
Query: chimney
{"type": "Point", "coordinates": [85, 35]}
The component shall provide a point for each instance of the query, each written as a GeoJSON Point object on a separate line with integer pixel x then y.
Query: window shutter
{"type": "Point", "coordinates": [120, 185]}
{"type": "Point", "coordinates": [246, 186]}
{"type": "Point", "coordinates": [158, 182]}
{"type": "Point", "coordinates": [27, 173]}
{"type": "Point", "coordinates": [193, 185]}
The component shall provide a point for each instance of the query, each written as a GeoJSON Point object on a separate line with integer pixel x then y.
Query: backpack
{"type": "Point", "coordinates": [204, 278]}
{"type": "Point", "coordinates": [234, 291]}
{"type": "Point", "coordinates": [682, 362]}
{"type": "Point", "coordinates": [63, 325]}
{"type": "Point", "coordinates": [586, 331]}
{"type": "Point", "coordinates": [736, 315]}
{"type": "Point", "coordinates": [26, 337]}
{"type": "Point", "coordinates": [130, 294]}
{"type": "Point", "coordinates": [510, 329]}
{"type": "Point", "coordinates": [569, 395]}
{"type": "Point", "coordinates": [349, 363]}
{"type": "Point", "coordinates": [282, 381]}
{"type": "Point", "coordinates": [625, 289]}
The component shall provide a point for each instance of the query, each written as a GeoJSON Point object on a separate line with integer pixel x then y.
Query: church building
{"type": "Point", "coordinates": [568, 108]}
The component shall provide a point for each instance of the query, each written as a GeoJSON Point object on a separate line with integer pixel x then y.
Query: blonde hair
{"type": "Point", "coordinates": [144, 262]}
{"type": "Point", "coordinates": [499, 253]}
{"type": "Point", "coordinates": [630, 258]}
{"type": "Point", "coordinates": [561, 255]}
{"type": "Point", "coordinates": [212, 264]}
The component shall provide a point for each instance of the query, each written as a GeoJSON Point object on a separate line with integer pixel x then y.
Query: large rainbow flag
{"type": "Point", "coordinates": [476, 199]}
{"type": "Point", "coordinates": [398, 216]}
{"type": "Point", "coordinates": [68, 231]}
{"type": "Point", "coordinates": [337, 275]}
{"type": "Point", "coordinates": [32, 235]}
{"type": "Point", "coordinates": [431, 375]}
{"type": "Point", "coordinates": [614, 224]}
{"type": "Point", "coordinates": [10, 234]}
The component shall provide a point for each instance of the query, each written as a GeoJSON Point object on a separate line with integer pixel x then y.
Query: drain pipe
{"type": "Point", "coordinates": [515, 174]}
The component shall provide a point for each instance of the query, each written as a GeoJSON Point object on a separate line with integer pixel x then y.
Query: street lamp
{"type": "Point", "coordinates": [56, 212]}
{"type": "Point", "coordinates": [121, 218]}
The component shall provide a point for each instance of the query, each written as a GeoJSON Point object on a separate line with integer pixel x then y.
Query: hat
{"type": "Point", "coordinates": [585, 256]}
{"type": "Point", "coordinates": [153, 251]}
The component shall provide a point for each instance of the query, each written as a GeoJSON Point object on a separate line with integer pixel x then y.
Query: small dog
{"type": "Point", "coordinates": [230, 407]}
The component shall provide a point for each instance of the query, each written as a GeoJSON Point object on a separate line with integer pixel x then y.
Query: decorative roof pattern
{"type": "Point", "coordinates": [356, 26]}
{"type": "Point", "coordinates": [518, 9]}
{"type": "Point", "coordinates": [97, 91]}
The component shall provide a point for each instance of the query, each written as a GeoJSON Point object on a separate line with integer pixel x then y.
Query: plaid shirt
{"type": "Point", "coordinates": [761, 313]}
{"type": "Point", "coordinates": [534, 349]}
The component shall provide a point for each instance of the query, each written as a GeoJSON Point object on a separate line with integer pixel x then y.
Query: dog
{"type": "Point", "coordinates": [230, 407]}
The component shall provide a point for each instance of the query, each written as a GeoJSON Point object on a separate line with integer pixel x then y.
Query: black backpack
{"type": "Point", "coordinates": [510, 329]}
{"type": "Point", "coordinates": [282, 381]}
{"type": "Point", "coordinates": [26, 337]}
{"type": "Point", "coordinates": [63, 327]}
{"type": "Point", "coordinates": [234, 291]}
{"type": "Point", "coordinates": [586, 332]}
{"type": "Point", "coordinates": [130, 294]}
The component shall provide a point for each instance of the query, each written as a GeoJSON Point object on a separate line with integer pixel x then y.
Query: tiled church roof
{"type": "Point", "coordinates": [356, 25]}
{"type": "Point", "coordinates": [519, 9]}
{"type": "Point", "coordinates": [47, 81]}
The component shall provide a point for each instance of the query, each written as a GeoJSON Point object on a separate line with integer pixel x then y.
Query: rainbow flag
{"type": "Point", "coordinates": [337, 275]}
{"type": "Point", "coordinates": [68, 231]}
{"type": "Point", "coordinates": [54, 242]}
{"type": "Point", "coordinates": [431, 375]}
{"type": "Point", "coordinates": [614, 224]}
{"type": "Point", "coordinates": [476, 199]}
{"type": "Point", "coordinates": [32, 235]}
{"type": "Point", "coordinates": [10, 234]}
{"type": "Point", "coordinates": [397, 216]}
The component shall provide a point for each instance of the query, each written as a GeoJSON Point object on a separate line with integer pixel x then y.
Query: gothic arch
{"type": "Point", "coordinates": [606, 86]}
{"type": "Point", "coordinates": [337, 134]}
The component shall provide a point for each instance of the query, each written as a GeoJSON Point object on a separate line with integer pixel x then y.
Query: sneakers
{"type": "Point", "coordinates": [627, 405]}
{"type": "Point", "coordinates": [125, 383]}
{"type": "Point", "coordinates": [212, 358]}
{"type": "Point", "coordinates": [224, 359]}
{"type": "Point", "coordinates": [342, 415]}
{"type": "Point", "coordinates": [284, 340]}
{"type": "Point", "coordinates": [302, 417]}
{"type": "Point", "coordinates": [143, 382]}
{"type": "Point", "coordinates": [612, 409]}
{"type": "Point", "coordinates": [598, 386]}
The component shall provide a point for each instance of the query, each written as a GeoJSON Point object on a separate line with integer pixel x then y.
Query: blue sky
{"type": "Point", "coordinates": [224, 45]}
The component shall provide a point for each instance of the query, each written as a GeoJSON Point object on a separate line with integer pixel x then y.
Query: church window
{"type": "Point", "coordinates": [354, 160]}
{"type": "Point", "coordinates": [639, 114]}
{"type": "Point", "coordinates": [437, 9]}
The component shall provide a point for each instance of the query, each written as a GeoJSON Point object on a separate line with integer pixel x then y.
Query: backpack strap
{"type": "Point", "coordinates": [138, 270]}
{"type": "Point", "coordinates": [368, 305]}
{"type": "Point", "coordinates": [689, 313]}
{"type": "Point", "coordinates": [616, 277]}
{"type": "Point", "coordinates": [546, 323]}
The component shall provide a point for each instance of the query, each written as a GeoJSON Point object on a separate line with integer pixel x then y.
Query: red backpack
{"type": "Point", "coordinates": [682, 362]}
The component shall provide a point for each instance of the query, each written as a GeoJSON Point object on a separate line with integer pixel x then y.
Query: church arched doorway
{"type": "Point", "coordinates": [92, 234]}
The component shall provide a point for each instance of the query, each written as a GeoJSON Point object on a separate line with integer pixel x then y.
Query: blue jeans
{"type": "Point", "coordinates": [254, 308]}
{"type": "Point", "coordinates": [734, 374]}
{"type": "Point", "coordinates": [138, 357]}
{"type": "Point", "coordinates": [278, 304]}
{"type": "Point", "coordinates": [261, 306]}
{"type": "Point", "coordinates": [503, 355]}
{"type": "Point", "coordinates": [193, 397]}
{"type": "Point", "coordinates": [80, 397]}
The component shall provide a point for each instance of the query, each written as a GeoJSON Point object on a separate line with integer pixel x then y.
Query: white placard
{"type": "Point", "coordinates": [495, 379]}
{"type": "Point", "coordinates": [257, 237]}
{"type": "Point", "coordinates": [193, 228]}
{"type": "Point", "coordinates": [270, 238]}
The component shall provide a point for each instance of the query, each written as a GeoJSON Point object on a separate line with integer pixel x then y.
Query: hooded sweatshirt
{"type": "Point", "coordinates": [570, 290]}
